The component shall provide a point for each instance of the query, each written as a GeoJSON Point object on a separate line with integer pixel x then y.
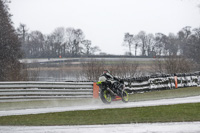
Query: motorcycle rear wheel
{"type": "Point", "coordinates": [105, 96]}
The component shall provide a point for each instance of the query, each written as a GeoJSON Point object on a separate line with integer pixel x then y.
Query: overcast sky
{"type": "Point", "coordinates": [105, 22]}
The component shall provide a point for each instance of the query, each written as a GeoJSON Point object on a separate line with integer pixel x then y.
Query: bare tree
{"type": "Point", "coordinates": [59, 41]}
{"type": "Point", "coordinates": [95, 49]}
{"type": "Point", "coordinates": [93, 68]}
{"type": "Point", "coordinates": [124, 68]}
{"type": "Point", "coordinates": [143, 42]}
{"type": "Point", "coordinates": [22, 32]}
{"type": "Point", "coordinates": [74, 38]}
{"type": "Point", "coordinates": [183, 38]}
{"type": "Point", "coordinates": [158, 66]}
{"type": "Point", "coordinates": [36, 44]}
{"type": "Point", "coordinates": [160, 42]}
{"type": "Point", "coordinates": [172, 45]}
{"type": "Point", "coordinates": [150, 45]}
{"type": "Point", "coordinates": [87, 44]}
{"type": "Point", "coordinates": [189, 43]}
{"type": "Point", "coordinates": [193, 42]}
{"type": "Point", "coordinates": [89, 50]}
{"type": "Point", "coordinates": [173, 64]}
{"type": "Point", "coordinates": [79, 36]}
{"type": "Point", "coordinates": [178, 64]}
{"type": "Point", "coordinates": [130, 40]}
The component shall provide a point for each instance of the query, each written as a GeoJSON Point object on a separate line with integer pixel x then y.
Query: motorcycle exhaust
{"type": "Point", "coordinates": [111, 91]}
{"type": "Point", "coordinates": [123, 88]}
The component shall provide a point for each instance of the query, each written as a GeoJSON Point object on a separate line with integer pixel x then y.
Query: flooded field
{"type": "Point", "coordinates": [72, 69]}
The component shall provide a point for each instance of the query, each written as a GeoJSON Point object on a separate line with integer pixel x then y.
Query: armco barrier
{"type": "Point", "coordinates": [45, 90]}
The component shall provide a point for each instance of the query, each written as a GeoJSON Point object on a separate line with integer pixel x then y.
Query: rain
{"type": "Point", "coordinates": [53, 53]}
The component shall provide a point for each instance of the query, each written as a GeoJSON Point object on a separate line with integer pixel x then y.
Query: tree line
{"type": "Point", "coordinates": [185, 43]}
{"type": "Point", "coordinates": [10, 67]}
{"type": "Point", "coordinates": [70, 42]}
{"type": "Point", "coordinates": [64, 42]}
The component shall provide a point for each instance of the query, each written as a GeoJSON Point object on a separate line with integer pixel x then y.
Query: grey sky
{"type": "Point", "coordinates": [104, 22]}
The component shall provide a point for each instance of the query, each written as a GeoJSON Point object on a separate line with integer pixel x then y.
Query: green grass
{"type": "Point", "coordinates": [168, 113]}
{"type": "Point", "coordinates": [166, 94]}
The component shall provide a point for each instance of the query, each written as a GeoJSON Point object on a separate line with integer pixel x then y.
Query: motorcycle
{"type": "Point", "coordinates": [110, 89]}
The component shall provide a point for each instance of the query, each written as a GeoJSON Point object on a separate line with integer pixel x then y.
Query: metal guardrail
{"type": "Point", "coordinates": [45, 90]}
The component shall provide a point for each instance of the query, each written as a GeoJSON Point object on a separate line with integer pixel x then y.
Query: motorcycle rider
{"type": "Point", "coordinates": [108, 76]}
{"type": "Point", "coordinates": [114, 82]}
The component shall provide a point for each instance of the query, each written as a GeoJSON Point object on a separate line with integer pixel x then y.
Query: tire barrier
{"type": "Point", "coordinates": [162, 82]}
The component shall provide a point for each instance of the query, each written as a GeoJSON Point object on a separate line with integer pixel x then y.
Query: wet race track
{"type": "Point", "coordinates": [100, 105]}
{"type": "Point", "coordinates": [183, 127]}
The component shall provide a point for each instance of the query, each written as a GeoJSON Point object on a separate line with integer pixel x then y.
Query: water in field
{"type": "Point", "coordinates": [56, 74]}
{"type": "Point", "coordinates": [70, 69]}
{"type": "Point", "coordinates": [54, 70]}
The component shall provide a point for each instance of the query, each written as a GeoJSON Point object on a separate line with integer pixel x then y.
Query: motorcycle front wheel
{"type": "Point", "coordinates": [105, 96]}
{"type": "Point", "coordinates": [125, 97]}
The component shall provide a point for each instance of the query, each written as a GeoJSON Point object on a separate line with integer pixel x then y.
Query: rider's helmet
{"type": "Point", "coordinates": [106, 71]}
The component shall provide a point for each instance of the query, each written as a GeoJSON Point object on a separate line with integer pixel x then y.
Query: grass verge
{"type": "Point", "coordinates": [167, 113]}
{"type": "Point", "coordinates": [166, 94]}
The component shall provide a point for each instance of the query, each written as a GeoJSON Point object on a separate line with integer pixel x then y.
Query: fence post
{"type": "Point", "coordinates": [95, 90]}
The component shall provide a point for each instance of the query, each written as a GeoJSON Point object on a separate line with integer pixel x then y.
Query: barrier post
{"type": "Point", "coordinates": [176, 82]}
{"type": "Point", "coordinates": [95, 90]}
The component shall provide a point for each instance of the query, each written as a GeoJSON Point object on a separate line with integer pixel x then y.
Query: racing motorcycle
{"type": "Point", "coordinates": [110, 89]}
